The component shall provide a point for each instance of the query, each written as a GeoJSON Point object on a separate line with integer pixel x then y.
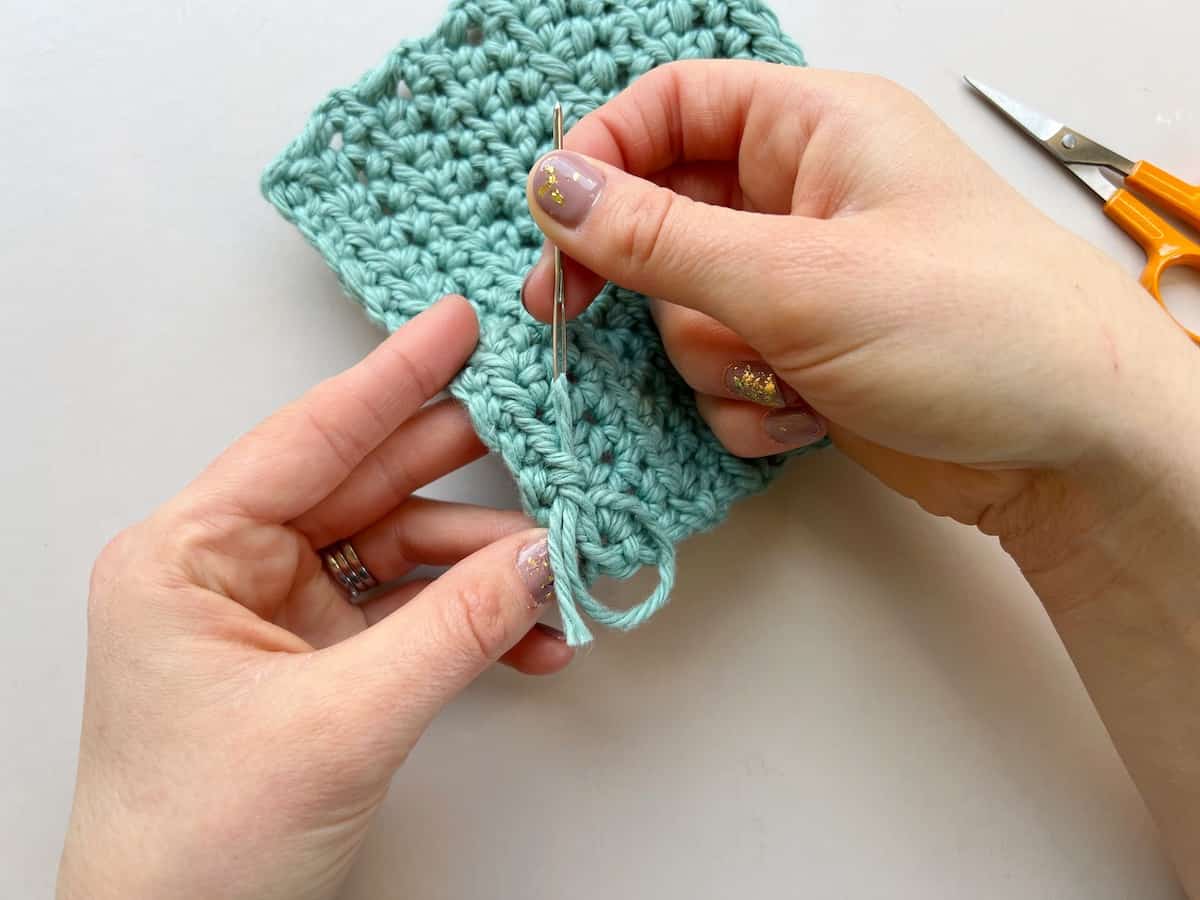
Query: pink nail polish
{"type": "Point", "coordinates": [793, 427]}
{"type": "Point", "coordinates": [566, 186]}
{"type": "Point", "coordinates": [533, 565]}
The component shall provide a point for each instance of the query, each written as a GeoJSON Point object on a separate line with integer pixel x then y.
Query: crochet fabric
{"type": "Point", "coordinates": [411, 183]}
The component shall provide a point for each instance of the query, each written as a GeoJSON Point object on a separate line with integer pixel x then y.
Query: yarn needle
{"type": "Point", "coordinates": [558, 327]}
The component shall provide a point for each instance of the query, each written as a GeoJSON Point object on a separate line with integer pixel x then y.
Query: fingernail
{"type": "Point", "coordinates": [793, 427]}
{"type": "Point", "coordinates": [550, 631]}
{"type": "Point", "coordinates": [756, 382]}
{"type": "Point", "coordinates": [566, 186]}
{"type": "Point", "coordinates": [533, 565]}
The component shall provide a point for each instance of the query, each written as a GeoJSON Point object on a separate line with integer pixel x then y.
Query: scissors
{"type": "Point", "coordinates": [1115, 179]}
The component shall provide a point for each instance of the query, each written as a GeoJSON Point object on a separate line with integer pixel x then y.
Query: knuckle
{"type": "Point", "coordinates": [477, 620]}
{"type": "Point", "coordinates": [113, 572]}
{"type": "Point", "coordinates": [682, 328]}
{"type": "Point", "coordinates": [416, 374]}
{"type": "Point", "coordinates": [882, 87]}
{"type": "Point", "coordinates": [396, 475]}
{"type": "Point", "coordinates": [649, 215]}
{"type": "Point", "coordinates": [400, 530]}
{"type": "Point", "coordinates": [111, 562]}
{"type": "Point", "coordinates": [346, 445]}
{"type": "Point", "coordinates": [662, 75]}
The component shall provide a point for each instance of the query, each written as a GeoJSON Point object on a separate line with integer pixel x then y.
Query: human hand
{"type": "Point", "coordinates": [849, 250]}
{"type": "Point", "coordinates": [242, 719]}
{"type": "Point", "coordinates": [824, 236]}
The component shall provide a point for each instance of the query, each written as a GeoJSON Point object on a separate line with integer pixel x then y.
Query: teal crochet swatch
{"type": "Point", "coordinates": [411, 183]}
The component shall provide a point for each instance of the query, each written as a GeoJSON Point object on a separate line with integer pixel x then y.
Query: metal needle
{"type": "Point", "coordinates": [558, 332]}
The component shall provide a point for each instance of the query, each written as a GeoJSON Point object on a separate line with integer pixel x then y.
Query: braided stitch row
{"type": "Point", "coordinates": [411, 183]}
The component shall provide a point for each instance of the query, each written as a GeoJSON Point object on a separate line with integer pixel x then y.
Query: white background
{"type": "Point", "coordinates": [846, 698]}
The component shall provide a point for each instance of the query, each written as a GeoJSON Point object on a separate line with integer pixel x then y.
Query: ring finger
{"type": "Point", "coordinates": [715, 361]}
{"type": "Point", "coordinates": [750, 409]}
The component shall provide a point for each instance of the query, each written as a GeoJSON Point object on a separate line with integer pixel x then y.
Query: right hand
{"type": "Point", "coordinates": [949, 337]}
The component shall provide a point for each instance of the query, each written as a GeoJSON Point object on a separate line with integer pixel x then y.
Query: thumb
{"type": "Point", "coordinates": [719, 261]}
{"type": "Point", "coordinates": [400, 672]}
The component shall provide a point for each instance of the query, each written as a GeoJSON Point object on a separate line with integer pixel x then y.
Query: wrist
{"type": "Point", "coordinates": [96, 865]}
{"type": "Point", "coordinates": [1120, 589]}
{"type": "Point", "coordinates": [1125, 517]}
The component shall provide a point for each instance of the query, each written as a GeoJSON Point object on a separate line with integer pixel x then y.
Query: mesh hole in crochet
{"type": "Point", "coordinates": [403, 91]}
{"type": "Point", "coordinates": [474, 36]}
{"type": "Point", "coordinates": [336, 142]}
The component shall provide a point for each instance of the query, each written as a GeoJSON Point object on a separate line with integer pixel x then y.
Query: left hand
{"type": "Point", "coordinates": [242, 719]}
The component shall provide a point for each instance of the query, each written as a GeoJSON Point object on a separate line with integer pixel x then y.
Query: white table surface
{"type": "Point", "coordinates": [847, 698]}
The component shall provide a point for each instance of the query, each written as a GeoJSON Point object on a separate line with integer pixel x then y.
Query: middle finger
{"type": "Point", "coordinates": [436, 441]}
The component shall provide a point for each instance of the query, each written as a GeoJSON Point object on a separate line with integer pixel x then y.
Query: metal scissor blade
{"type": "Point", "coordinates": [1094, 177]}
{"type": "Point", "coordinates": [1083, 157]}
{"type": "Point", "coordinates": [1041, 127]}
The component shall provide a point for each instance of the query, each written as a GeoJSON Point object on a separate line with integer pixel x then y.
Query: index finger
{"type": "Point", "coordinates": [691, 111]}
{"type": "Point", "coordinates": [299, 455]}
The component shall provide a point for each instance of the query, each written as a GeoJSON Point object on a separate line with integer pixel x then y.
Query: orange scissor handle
{"type": "Point", "coordinates": [1176, 195]}
{"type": "Point", "coordinates": [1165, 246]}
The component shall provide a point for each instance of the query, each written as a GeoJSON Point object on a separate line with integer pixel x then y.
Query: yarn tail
{"type": "Point", "coordinates": [570, 585]}
{"type": "Point", "coordinates": [563, 543]}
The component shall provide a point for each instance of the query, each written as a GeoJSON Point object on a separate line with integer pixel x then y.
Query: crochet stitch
{"type": "Point", "coordinates": [411, 183]}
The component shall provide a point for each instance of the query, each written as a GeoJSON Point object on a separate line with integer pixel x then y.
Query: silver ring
{"type": "Point", "coordinates": [348, 570]}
